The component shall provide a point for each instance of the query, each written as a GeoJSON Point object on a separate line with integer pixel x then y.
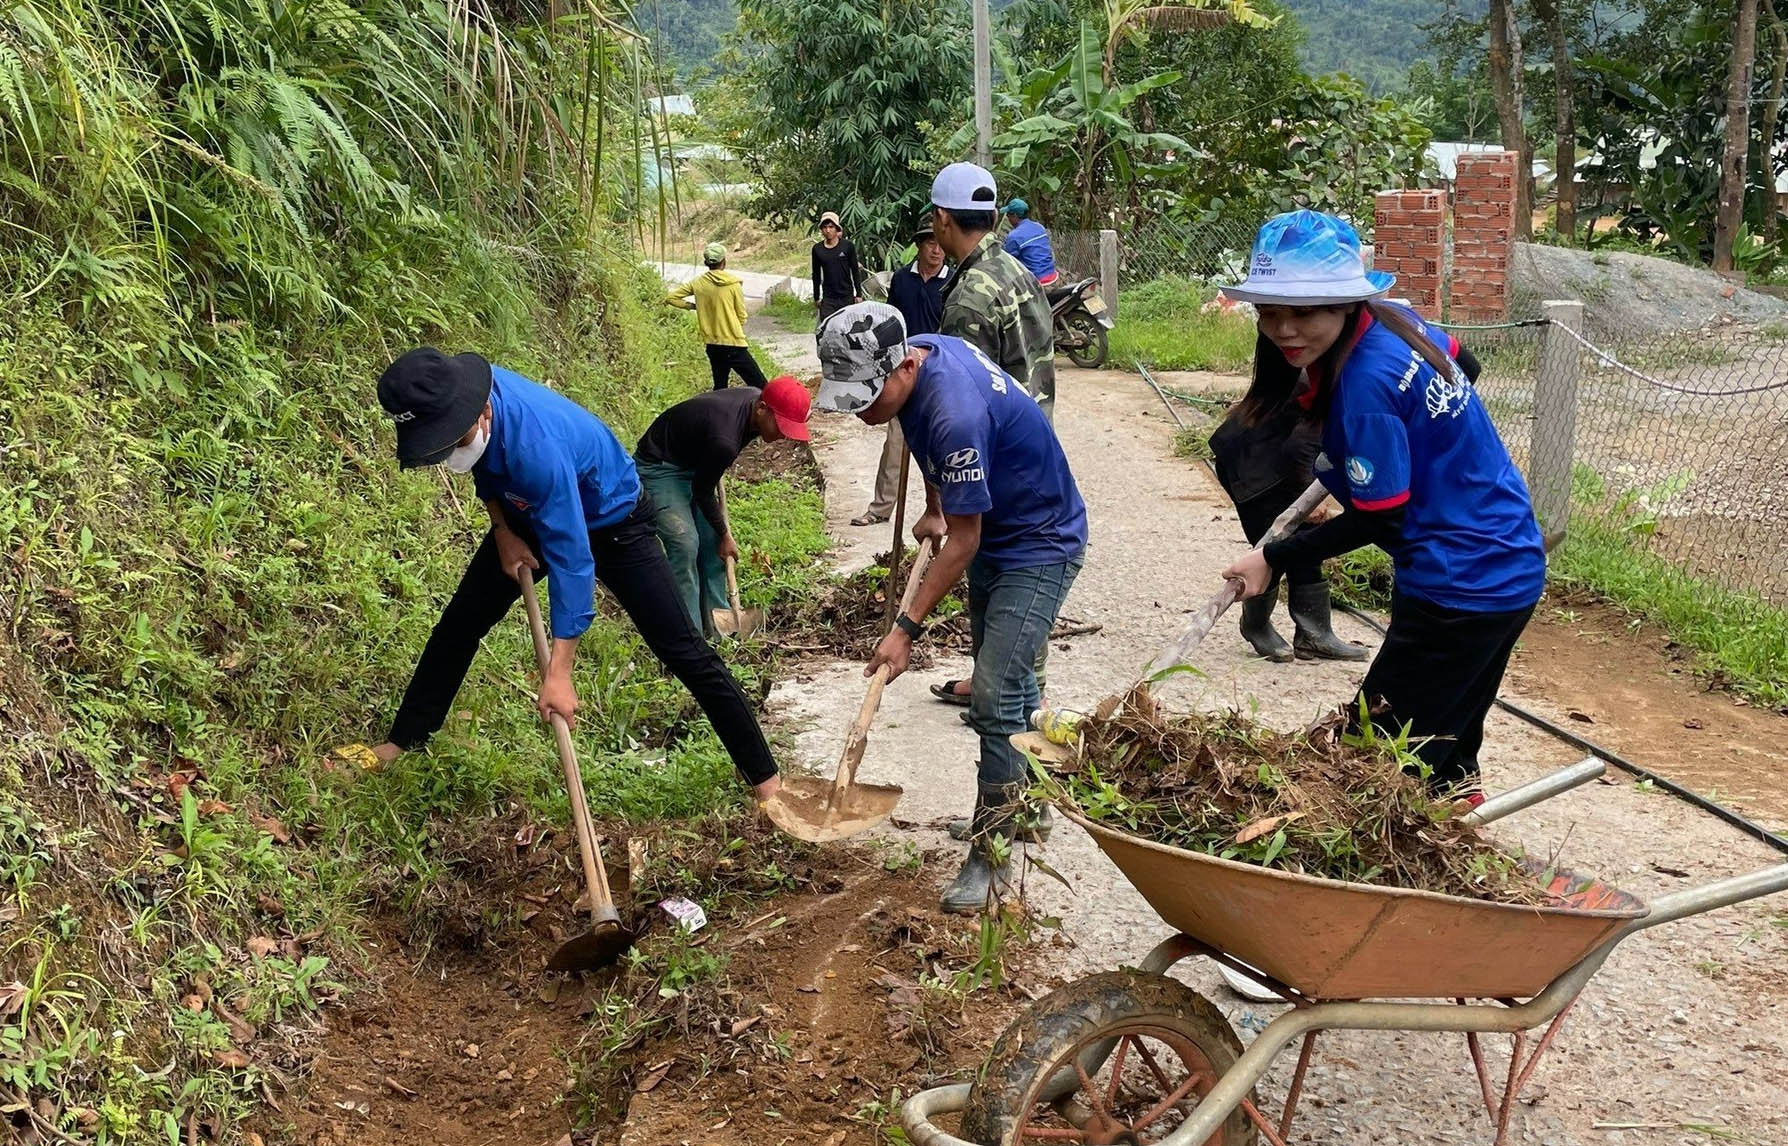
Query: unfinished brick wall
{"type": "Point", "coordinates": [1483, 235]}
{"type": "Point", "coordinates": [1409, 229]}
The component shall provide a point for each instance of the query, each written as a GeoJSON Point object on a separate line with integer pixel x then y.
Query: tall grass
{"type": "Point", "coordinates": [218, 221]}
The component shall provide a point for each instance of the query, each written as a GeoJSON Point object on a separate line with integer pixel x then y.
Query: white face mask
{"type": "Point", "coordinates": [463, 458]}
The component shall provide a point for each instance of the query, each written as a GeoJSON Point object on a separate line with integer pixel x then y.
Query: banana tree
{"type": "Point", "coordinates": [1071, 145]}
{"type": "Point", "coordinates": [1132, 19]}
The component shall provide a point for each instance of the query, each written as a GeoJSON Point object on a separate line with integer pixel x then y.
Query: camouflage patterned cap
{"type": "Point", "coordinates": [859, 347]}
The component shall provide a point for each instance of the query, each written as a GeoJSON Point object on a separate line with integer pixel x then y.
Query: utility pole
{"type": "Point", "coordinates": [983, 86]}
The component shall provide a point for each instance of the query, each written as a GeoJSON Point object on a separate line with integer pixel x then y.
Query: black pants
{"type": "Point", "coordinates": [1439, 670]}
{"type": "Point", "coordinates": [631, 562]}
{"type": "Point", "coordinates": [827, 308]}
{"type": "Point", "coordinates": [724, 360]}
{"type": "Point", "coordinates": [1258, 515]}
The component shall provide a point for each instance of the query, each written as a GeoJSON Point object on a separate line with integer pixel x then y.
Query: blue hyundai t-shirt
{"type": "Point", "coordinates": [560, 467]}
{"type": "Point", "coordinates": [1398, 433]}
{"type": "Point", "coordinates": [986, 446]}
{"type": "Point", "coordinates": [1028, 242]}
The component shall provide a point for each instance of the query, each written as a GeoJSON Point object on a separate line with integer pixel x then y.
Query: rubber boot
{"type": "Point", "coordinates": [1034, 825]}
{"type": "Point", "coordinates": [1314, 639]}
{"type": "Point", "coordinates": [982, 880]}
{"type": "Point", "coordinates": [1257, 625]}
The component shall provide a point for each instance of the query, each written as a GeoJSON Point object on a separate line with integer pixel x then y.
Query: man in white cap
{"type": "Point", "coordinates": [998, 488]}
{"type": "Point", "coordinates": [993, 302]}
{"type": "Point", "coordinates": [718, 299]}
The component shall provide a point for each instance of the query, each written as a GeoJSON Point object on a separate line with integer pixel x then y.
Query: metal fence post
{"type": "Point", "coordinates": [1554, 443]}
{"type": "Point", "coordinates": [1108, 270]}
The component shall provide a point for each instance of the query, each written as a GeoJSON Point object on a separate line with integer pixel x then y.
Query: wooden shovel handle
{"type": "Point", "coordinates": [858, 737]}
{"type": "Point", "coordinates": [595, 874]}
{"type": "Point", "coordinates": [732, 566]}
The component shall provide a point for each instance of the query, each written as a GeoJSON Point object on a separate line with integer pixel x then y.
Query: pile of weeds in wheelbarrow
{"type": "Point", "coordinates": [1325, 802]}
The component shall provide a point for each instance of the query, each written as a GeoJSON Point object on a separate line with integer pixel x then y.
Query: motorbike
{"type": "Point", "coordinates": [1081, 322]}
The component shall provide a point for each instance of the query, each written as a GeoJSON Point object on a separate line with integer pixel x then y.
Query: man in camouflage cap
{"type": "Point", "coordinates": [993, 300]}
{"type": "Point", "coordinates": [998, 487]}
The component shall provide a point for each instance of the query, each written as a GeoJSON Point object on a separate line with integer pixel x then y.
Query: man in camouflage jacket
{"type": "Point", "coordinates": [992, 301]}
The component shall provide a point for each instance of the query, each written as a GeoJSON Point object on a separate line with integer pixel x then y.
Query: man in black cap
{"type": "Point", "coordinates": [564, 498]}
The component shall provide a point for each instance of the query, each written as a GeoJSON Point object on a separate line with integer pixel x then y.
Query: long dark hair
{"type": "Point", "coordinates": [1275, 378]}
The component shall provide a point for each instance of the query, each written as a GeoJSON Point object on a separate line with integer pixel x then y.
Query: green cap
{"type": "Point", "coordinates": [714, 254]}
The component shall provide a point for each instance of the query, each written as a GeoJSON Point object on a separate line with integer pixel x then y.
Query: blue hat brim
{"type": "Point", "coordinates": [1373, 284]}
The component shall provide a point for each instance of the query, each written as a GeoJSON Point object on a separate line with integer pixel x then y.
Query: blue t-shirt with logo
{"type": "Point", "coordinates": [1398, 433]}
{"type": "Point", "coordinates": [1028, 242]}
{"type": "Point", "coordinates": [986, 446]}
{"type": "Point", "coordinates": [561, 468]}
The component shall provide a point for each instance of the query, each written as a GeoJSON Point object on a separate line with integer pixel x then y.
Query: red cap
{"type": "Point", "coordinates": [790, 402]}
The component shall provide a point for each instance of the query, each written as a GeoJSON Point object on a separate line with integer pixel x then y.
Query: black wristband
{"type": "Point", "coordinates": [909, 626]}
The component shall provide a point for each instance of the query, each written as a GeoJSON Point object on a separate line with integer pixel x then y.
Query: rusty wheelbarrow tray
{"type": "Point", "coordinates": [1324, 947]}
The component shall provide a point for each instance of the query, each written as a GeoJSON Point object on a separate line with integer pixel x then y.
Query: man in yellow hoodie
{"type": "Point", "coordinates": [718, 300]}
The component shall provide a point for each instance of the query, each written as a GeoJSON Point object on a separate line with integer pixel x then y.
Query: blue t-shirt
{"type": "Point", "coordinates": [1028, 242]}
{"type": "Point", "coordinates": [1397, 433]}
{"type": "Point", "coordinates": [985, 445]}
{"type": "Point", "coordinates": [556, 464]}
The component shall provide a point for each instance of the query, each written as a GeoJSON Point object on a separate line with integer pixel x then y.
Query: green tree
{"type": "Point", "coordinates": [842, 97]}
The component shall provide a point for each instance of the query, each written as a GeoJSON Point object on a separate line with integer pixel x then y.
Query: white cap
{"type": "Point", "coordinates": [964, 187]}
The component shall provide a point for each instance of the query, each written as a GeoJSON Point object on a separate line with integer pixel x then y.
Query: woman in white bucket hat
{"type": "Point", "coordinates": [1410, 453]}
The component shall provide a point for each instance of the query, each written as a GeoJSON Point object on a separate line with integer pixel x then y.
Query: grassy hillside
{"type": "Point", "coordinates": [220, 226]}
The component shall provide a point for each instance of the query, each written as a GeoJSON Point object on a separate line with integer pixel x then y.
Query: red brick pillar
{"type": "Point", "coordinates": [1406, 241]}
{"type": "Point", "coordinates": [1483, 235]}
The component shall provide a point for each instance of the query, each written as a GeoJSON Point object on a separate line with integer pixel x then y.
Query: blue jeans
{"type": "Point", "coordinates": [1010, 614]}
{"type": "Point", "coordinates": [689, 542]}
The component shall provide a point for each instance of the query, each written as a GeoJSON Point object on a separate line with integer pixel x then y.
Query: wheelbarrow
{"type": "Point", "coordinates": [1136, 1057]}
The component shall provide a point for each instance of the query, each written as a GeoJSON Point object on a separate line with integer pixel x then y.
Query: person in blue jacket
{"type": "Point", "coordinates": [998, 491]}
{"type": "Point", "coordinates": [564, 499]}
{"type": "Point", "coordinates": [1028, 242]}
{"type": "Point", "coordinates": [1412, 456]}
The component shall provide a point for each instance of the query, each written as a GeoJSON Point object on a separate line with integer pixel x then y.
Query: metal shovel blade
{"type": "Point", "coordinates": [799, 808]}
{"type": "Point", "coordinates": [744, 623]}
{"type": "Point", "coordinates": [599, 947]}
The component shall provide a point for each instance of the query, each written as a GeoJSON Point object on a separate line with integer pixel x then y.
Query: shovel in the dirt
{"type": "Point", "coordinates": [607, 939]}
{"type": "Point", "coordinates": [818, 810]}
{"type": "Point", "coordinates": [1176, 654]}
{"type": "Point", "coordinates": [736, 621]}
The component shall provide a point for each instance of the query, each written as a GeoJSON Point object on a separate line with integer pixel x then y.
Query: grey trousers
{"type": "Point", "coordinates": [887, 474]}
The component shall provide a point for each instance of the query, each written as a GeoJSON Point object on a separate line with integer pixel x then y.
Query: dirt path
{"type": "Point", "coordinates": [1685, 1024]}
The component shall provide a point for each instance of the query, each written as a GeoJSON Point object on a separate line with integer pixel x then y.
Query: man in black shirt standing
{"type": "Point", "coordinates": [917, 292]}
{"type": "Point", "coordinates": [681, 458]}
{"type": "Point", "coordinates": [837, 276]}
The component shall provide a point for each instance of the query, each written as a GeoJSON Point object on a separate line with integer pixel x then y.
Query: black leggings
{"type": "Point", "coordinates": [1439, 670]}
{"type": "Point", "coordinates": [631, 562]}
{"type": "Point", "coordinates": [725, 360]}
{"type": "Point", "coordinates": [1258, 515]}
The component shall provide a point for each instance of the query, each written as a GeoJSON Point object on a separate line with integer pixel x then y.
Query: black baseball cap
{"type": "Point", "coordinates": [434, 400]}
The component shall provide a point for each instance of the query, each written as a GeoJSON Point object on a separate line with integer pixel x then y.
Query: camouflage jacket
{"type": "Point", "coordinates": [993, 302]}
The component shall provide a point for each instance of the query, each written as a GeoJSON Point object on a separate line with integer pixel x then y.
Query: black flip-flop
{"type": "Point", "coordinates": [947, 693]}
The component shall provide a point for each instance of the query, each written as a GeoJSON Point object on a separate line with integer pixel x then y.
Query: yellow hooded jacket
{"type": "Point", "coordinates": [719, 306]}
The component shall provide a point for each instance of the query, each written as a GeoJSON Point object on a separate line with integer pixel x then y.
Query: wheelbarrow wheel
{"type": "Point", "coordinates": [1121, 1057]}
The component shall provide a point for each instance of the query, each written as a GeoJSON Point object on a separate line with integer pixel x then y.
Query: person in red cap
{"type": "Point", "coordinates": [681, 458]}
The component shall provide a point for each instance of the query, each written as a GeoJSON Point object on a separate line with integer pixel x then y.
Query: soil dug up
{"type": "Point", "coordinates": [1319, 802]}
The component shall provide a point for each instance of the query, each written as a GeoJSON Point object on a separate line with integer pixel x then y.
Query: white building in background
{"type": "Point", "coordinates": [662, 107]}
{"type": "Point", "coordinates": [1443, 161]}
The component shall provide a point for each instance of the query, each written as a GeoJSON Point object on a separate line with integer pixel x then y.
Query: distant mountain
{"type": "Point", "coordinates": [1373, 40]}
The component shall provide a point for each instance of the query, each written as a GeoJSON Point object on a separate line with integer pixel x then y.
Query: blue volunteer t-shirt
{"type": "Point", "coordinates": [987, 448]}
{"type": "Point", "coordinates": [1397, 433]}
{"type": "Point", "coordinates": [560, 467]}
{"type": "Point", "coordinates": [1028, 242]}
